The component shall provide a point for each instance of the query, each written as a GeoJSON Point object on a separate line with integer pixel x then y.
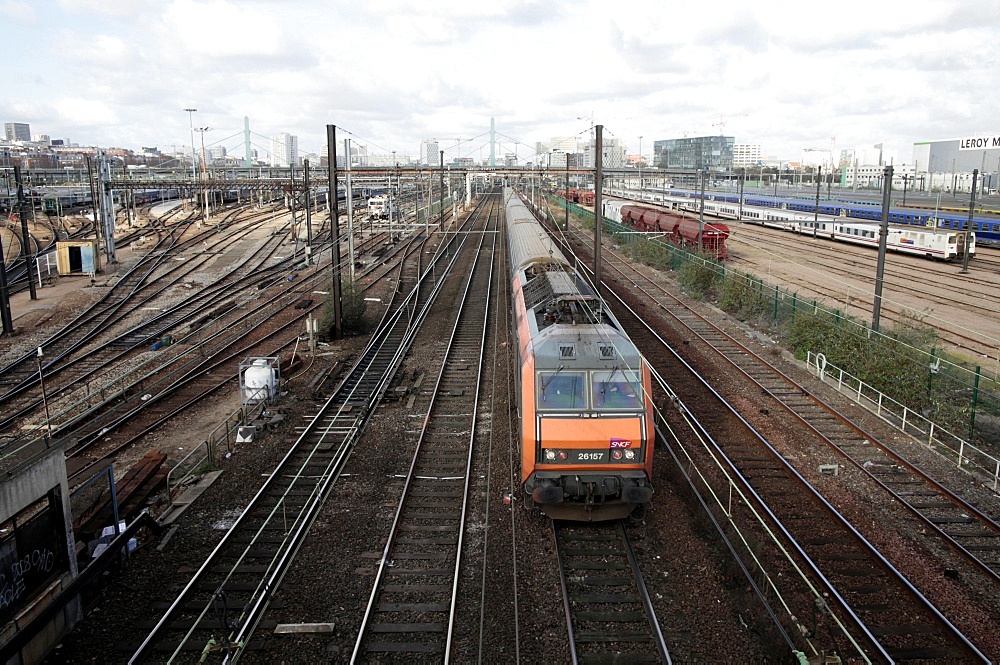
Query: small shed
{"type": "Point", "coordinates": [76, 257]}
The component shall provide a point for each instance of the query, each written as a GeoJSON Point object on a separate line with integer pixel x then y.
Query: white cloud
{"type": "Point", "coordinates": [782, 74]}
{"type": "Point", "coordinates": [18, 12]}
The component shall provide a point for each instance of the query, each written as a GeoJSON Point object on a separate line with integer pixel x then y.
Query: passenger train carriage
{"type": "Point", "coordinates": [987, 229]}
{"type": "Point", "coordinates": [928, 241]}
{"type": "Point", "coordinates": [586, 428]}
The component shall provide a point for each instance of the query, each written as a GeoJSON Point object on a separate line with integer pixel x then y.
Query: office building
{"type": "Point", "coordinates": [430, 153]}
{"type": "Point", "coordinates": [17, 131]}
{"type": "Point", "coordinates": [284, 150]}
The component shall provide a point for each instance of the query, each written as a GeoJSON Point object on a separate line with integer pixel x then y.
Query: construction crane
{"type": "Point", "coordinates": [722, 121]}
{"type": "Point", "coordinates": [591, 119]}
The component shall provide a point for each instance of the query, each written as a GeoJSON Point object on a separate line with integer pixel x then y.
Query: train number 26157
{"type": "Point", "coordinates": [595, 456]}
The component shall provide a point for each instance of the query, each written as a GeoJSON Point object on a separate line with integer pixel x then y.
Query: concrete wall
{"type": "Point", "coordinates": [16, 494]}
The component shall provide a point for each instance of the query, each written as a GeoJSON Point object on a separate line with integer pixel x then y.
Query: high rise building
{"type": "Point", "coordinates": [746, 155]}
{"type": "Point", "coordinates": [429, 152]}
{"type": "Point", "coordinates": [17, 131]}
{"type": "Point", "coordinates": [703, 153]}
{"type": "Point", "coordinates": [614, 153]}
{"type": "Point", "coordinates": [284, 150]}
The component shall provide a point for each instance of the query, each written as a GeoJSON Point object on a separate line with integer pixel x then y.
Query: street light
{"type": "Point", "coordinates": [640, 168]}
{"type": "Point", "coordinates": [45, 402]}
{"type": "Point", "coordinates": [395, 167]}
{"type": "Point", "coordinates": [194, 174]}
{"type": "Point", "coordinates": [204, 163]}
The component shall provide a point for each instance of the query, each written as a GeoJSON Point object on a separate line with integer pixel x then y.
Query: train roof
{"type": "Point", "coordinates": [589, 342]}
{"type": "Point", "coordinates": [529, 244]}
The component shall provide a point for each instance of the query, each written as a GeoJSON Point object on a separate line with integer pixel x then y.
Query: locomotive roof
{"type": "Point", "coordinates": [589, 346]}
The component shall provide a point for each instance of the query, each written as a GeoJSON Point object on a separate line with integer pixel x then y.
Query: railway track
{"type": "Point", "coordinates": [247, 272]}
{"type": "Point", "coordinates": [225, 327]}
{"type": "Point", "coordinates": [939, 509]}
{"type": "Point", "coordinates": [237, 581]}
{"type": "Point", "coordinates": [208, 363]}
{"type": "Point", "coordinates": [77, 347]}
{"type": "Point", "coordinates": [609, 614]}
{"type": "Point", "coordinates": [854, 577]}
{"type": "Point", "coordinates": [93, 412]}
{"type": "Point", "coordinates": [934, 295]}
{"type": "Point", "coordinates": [23, 374]}
{"type": "Point", "coordinates": [411, 609]}
{"type": "Point", "coordinates": [922, 276]}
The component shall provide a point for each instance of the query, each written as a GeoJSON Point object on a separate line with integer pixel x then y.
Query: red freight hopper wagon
{"type": "Point", "coordinates": [648, 219]}
{"type": "Point", "coordinates": [713, 237]}
{"type": "Point", "coordinates": [681, 231]}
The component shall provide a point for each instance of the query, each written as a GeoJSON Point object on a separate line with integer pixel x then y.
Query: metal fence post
{"type": "Point", "coordinates": [975, 400]}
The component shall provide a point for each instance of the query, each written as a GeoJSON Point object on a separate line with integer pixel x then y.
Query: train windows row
{"type": "Point", "coordinates": [961, 226]}
{"type": "Point", "coordinates": [864, 233]}
{"type": "Point", "coordinates": [613, 390]}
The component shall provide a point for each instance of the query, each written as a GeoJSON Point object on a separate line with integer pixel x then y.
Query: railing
{"type": "Point", "coordinates": [965, 455]}
{"type": "Point", "coordinates": [223, 437]}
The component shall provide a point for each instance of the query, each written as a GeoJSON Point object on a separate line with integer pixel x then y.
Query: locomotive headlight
{"type": "Point", "coordinates": [629, 454]}
{"type": "Point", "coordinates": [550, 455]}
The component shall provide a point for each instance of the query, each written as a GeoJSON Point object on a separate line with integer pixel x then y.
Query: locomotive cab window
{"type": "Point", "coordinates": [617, 389]}
{"type": "Point", "coordinates": [560, 389]}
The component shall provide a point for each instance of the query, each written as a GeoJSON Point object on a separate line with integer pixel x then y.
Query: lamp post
{"type": "Point", "coordinates": [640, 168]}
{"type": "Point", "coordinates": [204, 163]}
{"type": "Point", "coordinates": [395, 168]}
{"type": "Point", "coordinates": [45, 403]}
{"type": "Point", "coordinates": [194, 174]}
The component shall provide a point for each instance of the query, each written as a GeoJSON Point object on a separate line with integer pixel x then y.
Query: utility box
{"type": "Point", "coordinates": [76, 257]}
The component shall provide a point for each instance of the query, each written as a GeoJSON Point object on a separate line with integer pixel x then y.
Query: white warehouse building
{"type": "Point", "coordinates": [946, 165]}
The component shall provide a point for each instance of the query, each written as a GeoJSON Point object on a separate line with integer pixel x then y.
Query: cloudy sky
{"type": "Point", "coordinates": [388, 73]}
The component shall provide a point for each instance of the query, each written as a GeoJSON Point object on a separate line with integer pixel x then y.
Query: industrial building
{"type": "Point", "coordinates": [946, 165]}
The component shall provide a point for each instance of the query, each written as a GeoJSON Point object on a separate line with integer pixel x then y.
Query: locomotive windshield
{"type": "Point", "coordinates": [617, 389]}
{"type": "Point", "coordinates": [562, 390]}
{"type": "Point", "coordinates": [614, 390]}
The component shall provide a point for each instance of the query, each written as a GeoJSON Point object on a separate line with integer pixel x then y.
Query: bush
{"type": "Point", "coordinates": [743, 296]}
{"type": "Point", "coordinates": [893, 363]}
{"type": "Point", "coordinates": [699, 277]}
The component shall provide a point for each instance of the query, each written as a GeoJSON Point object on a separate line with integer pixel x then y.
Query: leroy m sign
{"type": "Point", "coordinates": [979, 143]}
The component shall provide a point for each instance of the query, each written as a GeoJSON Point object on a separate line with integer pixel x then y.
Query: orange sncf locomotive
{"type": "Point", "coordinates": [586, 425]}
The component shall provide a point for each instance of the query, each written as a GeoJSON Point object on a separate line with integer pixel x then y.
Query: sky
{"type": "Point", "coordinates": [789, 76]}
